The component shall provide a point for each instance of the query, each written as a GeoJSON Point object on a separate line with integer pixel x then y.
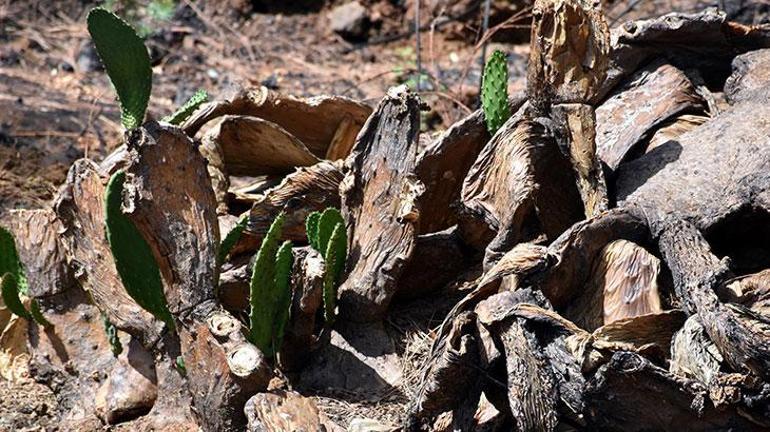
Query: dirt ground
{"type": "Point", "coordinates": [56, 105]}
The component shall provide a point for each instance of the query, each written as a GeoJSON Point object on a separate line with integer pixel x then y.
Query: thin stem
{"type": "Point", "coordinates": [484, 28]}
{"type": "Point", "coordinates": [417, 33]}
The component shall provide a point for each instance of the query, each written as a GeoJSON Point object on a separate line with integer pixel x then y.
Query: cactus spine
{"type": "Point", "coordinates": [126, 61]}
{"type": "Point", "coordinates": [327, 234]}
{"type": "Point", "coordinates": [133, 258]}
{"type": "Point", "coordinates": [270, 294]}
{"type": "Point", "coordinates": [494, 92]}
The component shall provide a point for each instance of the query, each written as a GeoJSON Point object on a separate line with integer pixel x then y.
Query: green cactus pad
{"type": "Point", "coordinates": [334, 258]}
{"type": "Point", "coordinates": [126, 61]}
{"type": "Point", "coordinates": [232, 238]}
{"type": "Point", "coordinates": [283, 262]}
{"type": "Point", "coordinates": [311, 227]}
{"type": "Point", "coordinates": [10, 293]}
{"type": "Point", "coordinates": [263, 288]}
{"type": "Point", "coordinates": [37, 314]}
{"type": "Point", "coordinates": [326, 224]}
{"type": "Point", "coordinates": [133, 258]}
{"type": "Point", "coordinates": [189, 107]}
{"type": "Point", "coordinates": [494, 92]}
{"type": "Point", "coordinates": [9, 260]}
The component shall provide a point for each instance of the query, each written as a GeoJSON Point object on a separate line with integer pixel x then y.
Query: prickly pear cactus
{"type": "Point", "coordinates": [9, 260]}
{"type": "Point", "coordinates": [189, 107]}
{"type": "Point", "coordinates": [494, 92]}
{"type": "Point", "coordinates": [326, 224]}
{"type": "Point", "coordinates": [133, 258]}
{"type": "Point", "coordinates": [311, 227]}
{"type": "Point", "coordinates": [10, 293]}
{"type": "Point", "coordinates": [37, 314]}
{"type": "Point", "coordinates": [264, 291]}
{"type": "Point", "coordinates": [334, 258]}
{"type": "Point", "coordinates": [283, 261]}
{"type": "Point", "coordinates": [126, 61]}
{"type": "Point", "coordinates": [13, 281]}
{"type": "Point", "coordinates": [232, 238]}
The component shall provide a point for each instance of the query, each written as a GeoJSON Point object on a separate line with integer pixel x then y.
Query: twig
{"type": "Point", "coordinates": [629, 8]}
{"type": "Point", "coordinates": [417, 35]}
{"type": "Point", "coordinates": [448, 96]}
{"type": "Point", "coordinates": [484, 29]}
{"type": "Point", "coordinates": [397, 36]}
{"type": "Point", "coordinates": [524, 13]}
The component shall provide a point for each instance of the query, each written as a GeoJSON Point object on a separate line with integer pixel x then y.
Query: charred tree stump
{"type": "Point", "coordinates": [569, 49]}
{"type": "Point", "coordinates": [223, 369]}
{"type": "Point", "coordinates": [379, 203]}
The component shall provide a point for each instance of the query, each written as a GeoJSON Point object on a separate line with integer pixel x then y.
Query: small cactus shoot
{"type": "Point", "coordinates": [9, 260]}
{"type": "Point", "coordinates": [126, 61]}
{"type": "Point", "coordinates": [326, 224]}
{"type": "Point", "coordinates": [189, 107]}
{"type": "Point", "coordinates": [334, 259]}
{"type": "Point", "coordinates": [494, 92]}
{"type": "Point", "coordinates": [311, 227]}
{"type": "Point", "coordinates": [326, 233]}
{"type": "Point", "coordinates": [270, 290]}
{"type": "Point", "coordinates": [10, 291]}
{"type": "Point", "coordinates": [283, 262]}
{"type": "Point", "coordinates": [112, 336]}
{"type": "Point", "coordinates": [133, 257]}
{"type": "Point", "coordinates": [232, 238]}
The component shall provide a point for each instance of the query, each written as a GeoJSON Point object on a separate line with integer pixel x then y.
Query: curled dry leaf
{"type": "Point", "coordinates": [324, 124]}
{"type": "Point", "coordinates": [648, 98]}
{"type": "Point", "coordinates": [623, 284]}
{"type": "Point", "coordinates": [253, 146]}
{"type": "Point", "coordinates": [520, 187]}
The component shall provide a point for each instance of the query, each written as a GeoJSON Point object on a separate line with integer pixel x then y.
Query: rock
{"type": "Point", "coordinates": [359, 358]}
{"type": "Point", "coordinates": [281, 410]}
{"type": "Point", "coordinates": [350, 20]}
{"type": "Point", "coordinates": [131, 388]}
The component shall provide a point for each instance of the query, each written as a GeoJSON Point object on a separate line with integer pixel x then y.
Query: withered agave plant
{"type": "Point", "coordinates": [617, 220]}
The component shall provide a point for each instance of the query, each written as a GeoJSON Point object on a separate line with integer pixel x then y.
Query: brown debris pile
{"type": "Point", "coordinates": [617, 223]}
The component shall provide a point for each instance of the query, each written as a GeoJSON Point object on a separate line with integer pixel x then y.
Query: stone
{"type": "Point", "coordinates": [350, 20]}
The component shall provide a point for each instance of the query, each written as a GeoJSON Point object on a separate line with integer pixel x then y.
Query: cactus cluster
{"type": "Point", "coordinates": [134, 261]}
{"type": "Point", "coordinates": [14, 282]}
{"type": "Point", "coordinates": [270, 293]}
{"type": "Point", "coordinates": [494, 92]}
{"type": "Point", "coordinates": [326, 233]}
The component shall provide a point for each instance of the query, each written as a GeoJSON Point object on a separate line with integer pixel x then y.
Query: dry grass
{"type": "Point", "coordinates": [413, 326]}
